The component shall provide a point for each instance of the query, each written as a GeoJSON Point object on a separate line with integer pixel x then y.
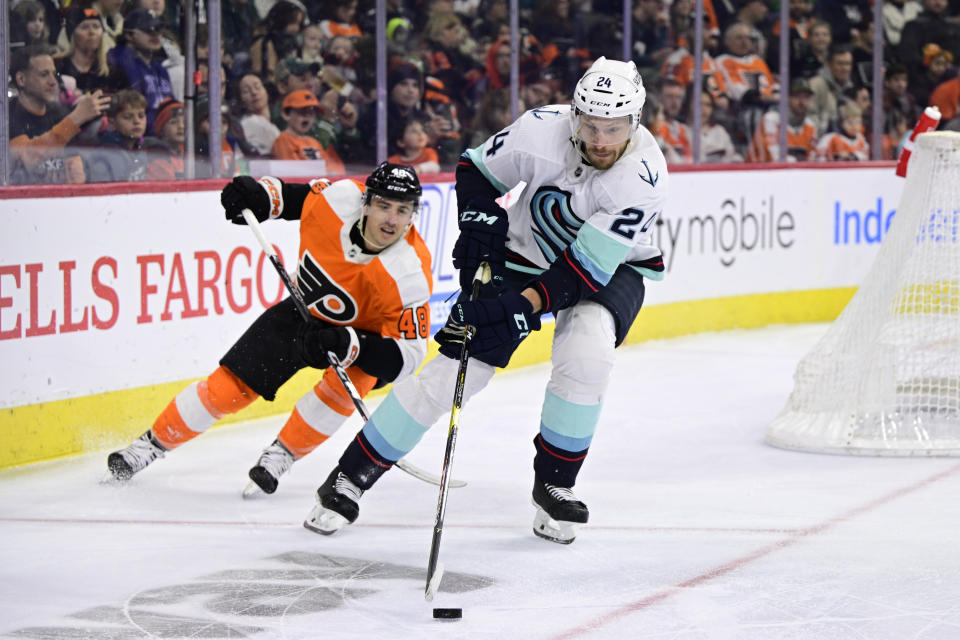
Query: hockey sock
{"type": "Point", "coordinates": [320, 412]}
{"type": "Point", "coordinates": [556, 466]}
{"type": "Point", "coordinates": [199, 406]}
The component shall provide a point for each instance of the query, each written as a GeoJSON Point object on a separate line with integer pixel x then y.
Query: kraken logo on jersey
{"type": "Point", "coordinates": [322, 294]}
{"type": "Point", "coordinates": [555, 225]}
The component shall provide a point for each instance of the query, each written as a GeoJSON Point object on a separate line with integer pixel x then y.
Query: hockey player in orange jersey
{"type": "Point", "coordinates": [365, 275]}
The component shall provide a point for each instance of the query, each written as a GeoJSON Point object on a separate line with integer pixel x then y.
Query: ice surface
{"type": "Point", "coordinates": [698, 530]}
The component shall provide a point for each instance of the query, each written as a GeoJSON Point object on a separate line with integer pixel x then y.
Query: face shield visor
{"type": "Point", "coordinates": [602, 132]}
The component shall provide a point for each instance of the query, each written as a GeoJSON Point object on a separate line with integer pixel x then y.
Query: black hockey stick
{"type": "Point", "coordinates": [301, 305]}
{"type": "Point", "coordinates": [435, 568]}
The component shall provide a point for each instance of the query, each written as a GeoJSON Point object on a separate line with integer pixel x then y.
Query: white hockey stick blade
{"type": "Point", "coordinates": [434, 585]}
{"type": "Point", "coordinates": [426, 476]}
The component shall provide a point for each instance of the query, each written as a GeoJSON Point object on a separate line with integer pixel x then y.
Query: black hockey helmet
{"type": "Point", "coordinates": [394, 182]}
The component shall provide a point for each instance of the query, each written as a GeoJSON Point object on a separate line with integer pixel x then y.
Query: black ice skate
{"type": "Point", "coordinates": [558, 512]}
{"type": "Point", "coordinates": [130, 460]}
{"type": "Point", "coordinates": [336, 504]}
{"type": "Point", "coordinates": [275, 461]}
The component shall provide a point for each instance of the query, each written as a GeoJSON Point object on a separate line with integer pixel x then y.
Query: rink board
{"type": "Point", "coordinates": [110, 302]}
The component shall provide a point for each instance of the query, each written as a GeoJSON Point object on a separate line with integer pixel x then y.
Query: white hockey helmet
{"type": "Point", "coordinates": [609, 89]}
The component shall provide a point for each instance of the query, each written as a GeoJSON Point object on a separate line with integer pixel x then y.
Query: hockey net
{"type": "Point", "coordinates": [885, 378]}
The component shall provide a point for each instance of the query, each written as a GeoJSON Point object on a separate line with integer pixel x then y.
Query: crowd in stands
{"type": "Point", "coordinates": [98, 86]}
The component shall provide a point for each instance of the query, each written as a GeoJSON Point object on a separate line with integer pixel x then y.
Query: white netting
{"type": "Point", "coordinates": [885, 379]}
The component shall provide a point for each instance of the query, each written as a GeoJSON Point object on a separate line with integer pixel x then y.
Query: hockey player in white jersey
{"type": "Point", "coordinates": [578, 244]}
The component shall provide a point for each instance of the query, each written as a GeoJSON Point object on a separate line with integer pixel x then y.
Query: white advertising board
{"type": "Point", "coordinates": [115, 292]}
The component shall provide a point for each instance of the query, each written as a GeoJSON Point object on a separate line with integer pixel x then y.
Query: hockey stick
{"type": "Point", "coordinates": [301, 305]}
{"type": "Point", "coordinates": [434, 568]}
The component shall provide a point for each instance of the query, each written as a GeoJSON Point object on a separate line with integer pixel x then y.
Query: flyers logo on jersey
{"type": "Point", "coordinates": [322, 294]}
{"type": "Point", "coordinates": [273, 188]}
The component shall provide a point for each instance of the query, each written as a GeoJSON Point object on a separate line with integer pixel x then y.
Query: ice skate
{"type": "Point", "coordinates": [275, 461]}
{"type": "Point", "coordinates": [123, 464]}
{"type": "Point", "coordinates": [336, 504]}
{"type": "Point", "coordinates": [558, 512]}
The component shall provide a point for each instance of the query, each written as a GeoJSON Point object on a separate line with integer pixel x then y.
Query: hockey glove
{"type": "Point", "coordinates": [264, 197]}
{"type": "Point", "coordinates": [316, 338]}
{"type": "Point", "coordinates": [483, 237]}
{"type": "Point", "coordinates": [504, 320]}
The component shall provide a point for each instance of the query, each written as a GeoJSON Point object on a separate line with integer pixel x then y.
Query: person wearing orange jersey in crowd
{"type": "Point", "coordinates": [848, 143]}
{"type": "Point", "coordinates": [801, 130]}
{"type": "Point", "coordinates": [300, 110]}
{"type": "Point", "coordinates": [413, 150]}
{"type": "Point", "coordinates": [746, 76]}
{"type": "Point", "coordinates": [364, 274]}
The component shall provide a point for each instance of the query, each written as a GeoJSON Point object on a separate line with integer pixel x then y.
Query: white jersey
{"type": "Point", "coordinates": [605, 216]}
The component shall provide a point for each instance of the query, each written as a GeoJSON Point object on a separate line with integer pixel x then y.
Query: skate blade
{"type": "Point", "coordinates": [252, 491]}
{"type": "Point", "coordinates": [557, 531]}
{"type": "Point", "coordinates": [324, 521]}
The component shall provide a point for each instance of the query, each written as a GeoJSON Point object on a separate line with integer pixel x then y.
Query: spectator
{"type": "Point", "coordinates": [553, 26]}
{"type": "Point", "coordinates": [895, 94]}
{"type": "Point", "coordinates": [679, 66]}
{"type": "Point", "coordinates": [230, 152]}
{"type": "Point", "coordinates": [896, 14]}
{"type": "Point", "coordinates": [715, 142]}
{"type": "Point", "coordinates": [936, 63]}
{"type": "Point", "coordinates": [801, 129]}
{"type": "Point", "coordinates": [946, 97]}
{"type": "Point", "coordinates": [444, 35]}
{"type": "Point", "coordinates": [652, 118]}
{"type": "Point", "coordinates": [538, 90]}
{"type": "Point", "coordinates": [258, 129]}
{"type": "Point", "coordinates": [395, 9]}
{"type": "Point", "coordinates": [165, 151]}
{"type": "Point", "coordinates": [411, 142]}
{"type": "Point", "coordinates": [39, 127]}
{"type": "Point", "coordinates": [341, 20]}
{"type": "Point", "coordinates": [120, 155]}
{"type": "Point", "coordinates": [336, 126]}
{"type": "Point", "coordinates": [239, 19]}
{"type": "Point", "coordinates": [294, 74]}
{"type": "Point", "coordinates": [300, 110]}
{"type": "Point", "coordinates": [112, 20]}
{"type": "Point", "coordinates": [493, 114]}
{"type": "Point", "coordinates": [847, 18]}
{"type": "Point", "coordinates": [753, 13]}
{"type": "Point", "coordinates": [442, 122]}
{"type": "Point", "coordinates": [932, 26]}
{"type": "Point", "coordinates": [29, 24]}
{"type": "Point", "coordinates": [276, 38]}
{"type": "Point", "coordinates": [312, 49]}
{"type": "Point", "coordinates": [811, 56]}
{"type": "Point", "coordinates": [491, 14]}
{"type": "Point", "coordinates": [848, 143]}
{"type": "Point", "coordinates": [745, 74]}
{"type": "Point", "coordinates": [651, 37]}
{"type": "Point", "coordinates": [800, 22]}
{"type": "Point", "coordinates": [672, 130]}
{"type": "Point", "coordinates": [170, 56]}
{"type": "Point", "coordinates": [404, 92]}
{"type": "Point", "coordinates": [828, 87]}
{"type": "Point", "coordinates": [339, 58]}
{"type": "Point", "coordinates": [84, 64]}
{"type": "Point", "coordinates": [135, 62]}
{"type": "Point", "coordinates": [895, 130]}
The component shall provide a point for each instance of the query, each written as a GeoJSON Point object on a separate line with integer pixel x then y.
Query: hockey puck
{"type": "Point", "coordinates": [448, 614]}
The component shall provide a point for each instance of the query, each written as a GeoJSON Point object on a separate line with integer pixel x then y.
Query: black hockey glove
{"type": "Point", "coordinates": [483, 237]}
{"type": "Point", "coordinates": [506, 319]}
{"type": "Point", "coordinates": [316, 338]}
{"type": "Point", "coordinates": [263, 197]}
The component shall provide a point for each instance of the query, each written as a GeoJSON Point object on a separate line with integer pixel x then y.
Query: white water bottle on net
{"type": "Point", "coordinates": [885, 378]}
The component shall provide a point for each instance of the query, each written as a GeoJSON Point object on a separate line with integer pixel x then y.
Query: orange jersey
{"type": "Point", "coordinates": [679, 66]}
{"type": "Point", "coordinates": [765, 145]}
{"type": "Point", "coordinates": [332, 28]}
{"type": "Point", "coordinates": [385, 293]}
{"type": "Point", "coordinates": [740, 74]}
{"type": "Point", "coordinates": [290, 146]}
{"type": "Point", "coordinates": [836, 146]}
{"type": "Point", "coordinates": [426, 162]}
{"type": "Point", "coordinates": [677, 136]}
